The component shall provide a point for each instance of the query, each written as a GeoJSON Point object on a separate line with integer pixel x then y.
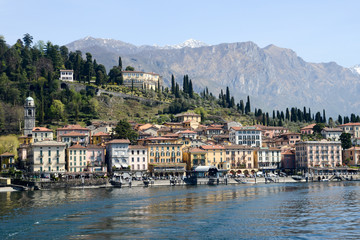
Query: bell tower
{"type": "Point", "coordinates": [29, 116]}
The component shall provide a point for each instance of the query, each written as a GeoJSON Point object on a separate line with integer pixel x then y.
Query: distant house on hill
{"type": "Point", "coordinates": [67, 75]}
{"type": "Point", "coordinates": [141, 80]}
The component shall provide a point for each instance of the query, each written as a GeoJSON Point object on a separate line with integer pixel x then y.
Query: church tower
{"type": "Point", "coordinates": [29, 117]}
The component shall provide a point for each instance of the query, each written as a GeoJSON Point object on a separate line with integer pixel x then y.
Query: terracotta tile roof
{"type": "Point", "coordinates": [77, 146]}
{"type": "Point", "coordinates": [119, 141]}
{"type": "Point", "coordinates": [311, 126]}
{"type": "Point", "coordinates": [49, 143]}
{"type": "Point", "coordinates": [41, 129]}
{"type": "Point", "coordinates": [238, 147]}
{"type": "Point", "coordinates": [211, 147]}
{"type": "Point", "coordinates": [73, 127]}
{"type": "Point", "coordinates": [349, 124]}
{"type": "Point", "coordinates": [197, 150]}
{"type": "Point", "coordinates": [145, 126]}
{"type": "Point", "coordinates": [73, 134]}
{"type": "Point", "coordinates": [101, 134]}
{"type": "Point", "coordinates": [93, 146]}
{"type": "Point", "coordinates": [188, 131]}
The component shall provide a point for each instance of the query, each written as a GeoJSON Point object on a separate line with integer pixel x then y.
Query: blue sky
{"type": "Point", "coordinates": [318, 31]}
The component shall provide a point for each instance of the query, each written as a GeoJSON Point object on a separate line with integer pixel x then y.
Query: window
{"type": "Point", "coordinates": [41, 161]}
{"type": "Point", "coordinates": [49, 160]}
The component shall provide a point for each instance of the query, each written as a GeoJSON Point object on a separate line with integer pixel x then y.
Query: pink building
{"type": "Point", "coordinates": [308, 129]}
{"type": "Point", "coordinates": [95, 156]}
{"type": "Point", "coordinates": [318, 154]}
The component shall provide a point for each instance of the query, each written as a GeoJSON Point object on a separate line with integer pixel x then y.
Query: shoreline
{"type": "Point", "coordinates": [154, 183]}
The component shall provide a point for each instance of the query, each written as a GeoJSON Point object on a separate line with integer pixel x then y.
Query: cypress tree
{"type": "Point", "coordinates": [191, 91]}
{"type": "Point", "coordinates": [287, 116]}
{"type": "Point", "coordinates": [248, 104]}
{"type": "Point", "coordinates": [120, 63]}
{"type": "Point", "coordinates": [282, 116]}
{"type": "Point", "coordinates": [310, 118]}
{"type": "Point", "coordinates": [273, 114]}
{"type": "Point", "coordinates": [232, 102]}
{"type": "Point", "coordinates": [267, 119]}
{"type": "Point", "coordinates": [305, 115]}
{"type": "Point", "coordinates": [340, 119]}
{"type": "Point", "coordinates": [227, 96]}
{"type": "Point", "coordinates": [172, 84]}
{"type": "Point", "coordinates": [177, 91]}
{"type": "Point", "coordinates": [324, 116]}
{"type": "Point", "coordinates": [263, 119]}
{"type": "Point", "coordinates": [241, 106]}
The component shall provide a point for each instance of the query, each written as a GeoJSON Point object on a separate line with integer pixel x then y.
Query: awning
{"type": "Point", "coordinates": [203, 168]}
{"type": "Point", "coordinates": [124, 165]}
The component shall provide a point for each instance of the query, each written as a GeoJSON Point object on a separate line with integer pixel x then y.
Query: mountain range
{"type": "Point", "coordinates": [273, 77]}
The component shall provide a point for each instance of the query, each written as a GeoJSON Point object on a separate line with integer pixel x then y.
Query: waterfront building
{"type": "Point", "coordinates": [138, 158]}
{"type": "Point", "coordinates": [194, 157]}
{"type": "Point", "coordinates": [332, 134]}
{"type": "Point", "coordinates": [100, 138]}
{"type": "Point", "coordinates": [288, 160]}
{"type": "Point", "coordinates": [42, 133]}
{"type": "Point", "coordinates": [117, 151]}
{"type": "Point", "coordinates": [351, 156]}
{"type": "Point", "coordinates": [67, 75]}
{"type": "Point", "coordinates": [95, 157]}
{"type": "Point", "coordinates": [318, 154]}
{"type": "Point", "coordinates": [142, 80]}
{"type": "Point", "coordinates": [78, 130]}
{"type": "Point", "coordinates": [165, 156]}
{"type": "Point", "coordinates": [269, 159]}
{"type": "Point", "coordinates": [308, 129]}
{"type": "Point", "coordinates": [29, 116]}
{"type": "Point", "coordinates": [352, 128]}
{"type": "Point", "coordinates": [215, 156]}
{"type": "Point", "coordinates": [47, 156]}
{"type": "Point", "coordinates": [77, 159]}
{"type": "Point", "coordinates": [7, 160]}
{"type": "Point", "coordinates": [250, 136]}
{"type": "Point", "coordinates": [242, 158]}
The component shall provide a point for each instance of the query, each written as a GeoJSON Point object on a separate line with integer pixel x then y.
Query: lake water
{"type": "Point", "coordinates": [327, 210]}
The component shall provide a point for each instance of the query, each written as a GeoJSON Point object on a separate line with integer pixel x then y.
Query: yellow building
{"type": "Point", "coordinates": [194, 157]}
{"type": "Point", "coordinates": [100, 137]}
{"type": "Point", "coordinates": [189, 119]}
{"type": "Point", "coordinates": [215, 156]}
{"type": "Point", "coordinates": [25, 139]}
{"type": "Point", "coordinates": [165, 156]}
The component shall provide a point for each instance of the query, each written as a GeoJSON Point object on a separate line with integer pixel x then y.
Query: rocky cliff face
{"type": "Point", "coordinates": [273, 77]}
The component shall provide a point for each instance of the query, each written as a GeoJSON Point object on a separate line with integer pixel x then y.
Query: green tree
{"type": "Point", "coordinates": [172, 84]}
{"type": "Point", "coordinates": [123, 130]}
{"type": "Point", "coordinates": [120, 63]}
{"type": "Point", "coordinates": [129, 68]}
{"type": "Point", "coordinates": [318, 127]}
{"type": "Point", "coordinates": [28, 39]}
{"type": "Point", "coordinates": [345, 139]}
{"type": "Point", "coordinates": [57, 109]}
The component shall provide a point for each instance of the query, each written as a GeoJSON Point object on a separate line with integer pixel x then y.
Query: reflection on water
{"type": "Point", "coordinates": [316, 210]}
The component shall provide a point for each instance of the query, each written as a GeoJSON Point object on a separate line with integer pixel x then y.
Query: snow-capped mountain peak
{"type": "Point", "coordinates": [191, 43]}
{"type": "Point", "coordinates": [355, 69]}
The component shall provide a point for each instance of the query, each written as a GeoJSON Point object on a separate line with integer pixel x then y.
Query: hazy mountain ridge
{"type": "Point", "coordinates": [274, 77]}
